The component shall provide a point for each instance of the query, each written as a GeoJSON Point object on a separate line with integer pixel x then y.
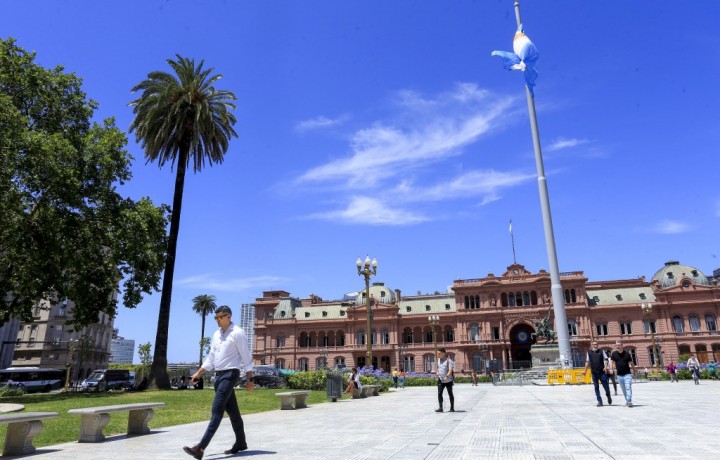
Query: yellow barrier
{"type": "Point", "coordinates": [568, 376]}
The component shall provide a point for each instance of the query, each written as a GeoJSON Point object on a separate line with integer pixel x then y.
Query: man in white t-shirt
{"type": "Point", "coordinates": [445, 371]}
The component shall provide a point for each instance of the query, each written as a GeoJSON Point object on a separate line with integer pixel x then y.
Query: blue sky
{"type": "Point", "coordinates": [386, 128]}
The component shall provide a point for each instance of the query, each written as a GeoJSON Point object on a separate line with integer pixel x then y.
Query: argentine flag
{"type": "Point", "coordinates": [524, 58]}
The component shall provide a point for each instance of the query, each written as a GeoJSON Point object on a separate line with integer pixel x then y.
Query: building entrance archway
{"type": "Point", "coordinates": [521, 339]}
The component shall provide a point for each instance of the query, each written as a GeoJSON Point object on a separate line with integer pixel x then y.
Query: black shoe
{"type": "Point", "coordinates": [609, 399]}
{"type": "Point", "coordinates": [452, 410]}
{"type": "Point", "coordinates": [600, 404]}
{"type": "Point", "coordinates": [194, 451]}
{"type": "Point", "coordinates": [439, 410]}
{"type": "Point", "coordinates": [235, 449]}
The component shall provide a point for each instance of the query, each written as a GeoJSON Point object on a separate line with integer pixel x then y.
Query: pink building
{"type": "Point", "coordinates": [488, 323]}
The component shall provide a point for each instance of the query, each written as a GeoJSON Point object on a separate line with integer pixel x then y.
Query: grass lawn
{"type": "Point", "coordinates": [181, 406]}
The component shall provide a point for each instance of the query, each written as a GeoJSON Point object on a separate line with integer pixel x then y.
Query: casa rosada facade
{"type": "Point", "coordinates": [488, 323]}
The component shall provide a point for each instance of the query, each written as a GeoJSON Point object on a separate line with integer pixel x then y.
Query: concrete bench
{"type": "Point", "coordinates": [370, 390]}
{"type": "Point", "coordinates": [22, 428]}
{"type": "Point", "coordinates": [94, 419]}
{"type": "Point", "coordinates": [357, 394]}
{"type": "Point", "coordinates": [288, 398]}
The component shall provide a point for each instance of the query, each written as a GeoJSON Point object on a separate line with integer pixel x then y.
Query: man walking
{"type": "Point", "coordinates": [624, 367]}
{"type": "Point", "coordinates": [672, 371]}
{"type": "Point", "coordinates": [596, 360]}
{"type": "Point", "coordinates": [445, 371]}
{"type": "Point", "coordinates": [230, 358]}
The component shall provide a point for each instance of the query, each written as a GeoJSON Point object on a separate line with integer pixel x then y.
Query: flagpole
{"type": "Point", "coordinates": [512, 238]}
{"type": "Point", "coordinates": [556, 290]}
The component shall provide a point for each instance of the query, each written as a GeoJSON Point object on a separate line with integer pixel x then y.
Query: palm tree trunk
{"type": "Point", "coordinates": [202, 335]}
{"type": "Point", "coordinates": [158, 372]}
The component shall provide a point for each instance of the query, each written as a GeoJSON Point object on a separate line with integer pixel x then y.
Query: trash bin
{"type": "Point", "coordinates": [333, 386]}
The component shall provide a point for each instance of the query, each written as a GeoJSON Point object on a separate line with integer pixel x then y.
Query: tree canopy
{"type": "Point", "coordinates": [65, 231]}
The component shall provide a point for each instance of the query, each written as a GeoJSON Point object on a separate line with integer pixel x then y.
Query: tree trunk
{"type": "Point", "coordinates": [202, 336]}
{"type": "Point", "coordinates": [158, 372]}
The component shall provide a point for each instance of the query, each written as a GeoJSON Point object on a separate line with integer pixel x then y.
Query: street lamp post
{"type": "Point", "coordinates": [275, 352]}
{"type": "Point", "coordinates": [402, 349]}
{"type": "Point", "coordinates": [647, 311]}
{"type": "Point", "coordinates": [367, 270]}
{"type": "Point", "coordinates": [434, 321]}
{"type": "Point", "coordinates": [72, 344]}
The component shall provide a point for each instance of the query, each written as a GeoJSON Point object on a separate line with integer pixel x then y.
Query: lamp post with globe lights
{"type": "Point", "coordinates": [647, 309]}
{"type": "Point", "coordinates": [367, 269]}
{"type": "Point", "coordinates": [434, 321]}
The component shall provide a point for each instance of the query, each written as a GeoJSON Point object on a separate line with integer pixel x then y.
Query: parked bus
{"type": "Point", "coordinates": [32, 379]}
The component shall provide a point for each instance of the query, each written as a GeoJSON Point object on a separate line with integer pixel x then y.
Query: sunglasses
{"type": "Point", "coordinates": [218, 318]}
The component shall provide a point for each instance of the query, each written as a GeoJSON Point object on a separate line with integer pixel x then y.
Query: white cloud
{"type": "Point", "coordinates": [562, 143]}
{"type": "Point", "coordinates": [370, 211]}
{"type": "Point", "coordinates": [387, 149]}
{"type": "Point", "coordinates": [317, 123]}
{"type": "Point", "coordinates": [210, 282]}
{"type": "Point", "coordinates": [670, 227]}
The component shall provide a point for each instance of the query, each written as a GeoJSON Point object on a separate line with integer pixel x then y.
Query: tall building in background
{"type": "Point", "coordinates": [247, 323]}
{"type": "Point", "coordinates": [122, 350]}
{"type": "Point", "coordinates": [50, 341]}
{"type": "Point", "coordinates": [8, 339]}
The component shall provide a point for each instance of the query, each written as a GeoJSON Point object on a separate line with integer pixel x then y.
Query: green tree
{"type": "Point", "coordinates": [184, 120]}
{"type": "Point", "coordinates": [203, 305]}
{"type": "Point", "coordinates": [146, 358]}
{"type": "Point", "coordinates": [65, 231]}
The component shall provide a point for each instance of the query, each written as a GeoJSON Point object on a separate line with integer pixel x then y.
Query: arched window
{"type": "Point", "coordinates": [474, 332]}
{"type": "Point", "coordinates": [526, 298]}
{"type": "Point", "coordinates": [373, 337]}
{"type": "Point", "coordinates": [694, 323]}
{"type": "Point", "coordinates": [449, 335]}
{"type": "Point", "coordinates": [280, 341]}
{"type": "Point", "coordinates": [428, 336]}
{"type": "Point", "coordinates": [653, 356]}
{"type": "Point", "coordinates": [319, 362]}
{"type": "Point", "coordinates": [361, 338]}
{"type": "Point", "coordinates": [710, 323]}
{"type": "Point", "coordinates": [339, 361]}
{"type": "Point", "coordinates": [428, 363]}
{"type": "Point", "coordinates": [519, 299]}
{"type": "Point", "coordinates": [511, 299]}
{"type": "Point", "coordinates": [303, 365]}
{"type": "Point", "coordinates": [407, 335]}
{"type": "Point", "coordinates": [385, 337]}
{"type": "Point", "coordinates": [477, 362]}
{"type": "Point", "coordinates": [504, 299]}
{"type": "Point", "coordinates": [533, 298]}
{"type": "Point", "coordinates": [467, 302]}
{"type": "Point", "coordinates": [477, 301]}
{"type": "Point", "coordinates": [280, 363]}
{"type": "Point", "coordinates": [409, 363]}
{"type": "Point", "coordinates": [633, 355]}
{"type": "Point", "coordinates": [678, 325]}
{"type": "Point", "coordinates": [341, 338]}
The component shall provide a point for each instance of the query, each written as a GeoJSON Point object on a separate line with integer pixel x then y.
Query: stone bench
{"type": "Point", "coordinates": [94, 419]}
{"type": "Point", "coordinates": [370, 390]}
{"type": "Point", "coordinates": [357, 394]}
{"type": "Point", "coordinates": [288, 398]}
{"type": "Point", "coordinates": [22, 428]}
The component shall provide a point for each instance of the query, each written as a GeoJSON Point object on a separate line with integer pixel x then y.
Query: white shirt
{"type": "Point", "coordinates": [229, 350]}
{"type": "Point", "coordinates": [444, 367]}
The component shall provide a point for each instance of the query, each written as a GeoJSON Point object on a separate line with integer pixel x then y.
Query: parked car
{"type": "Point", "coordinates": [107, 379]}
{"type": "Point", "coordinates": [266, 377]}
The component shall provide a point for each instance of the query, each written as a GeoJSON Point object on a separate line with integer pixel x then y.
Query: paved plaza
{"type": "Point", "coordinates": [669, 420]}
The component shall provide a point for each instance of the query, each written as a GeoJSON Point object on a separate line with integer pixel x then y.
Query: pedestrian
{"type": "Point", "coordinates": [694, 365]}
{"type": "Point", "coordinates": [596, 361]}
{"type": "Point", "coordinates": [395, 375]}
{"type": "Point", "coordinates": [402, 377]}
{"type": "Point", "coordinates": [473, 376]}
{"type": "Point", "coordinates": [230, 358]}
{"type": "Point", "coordinates": [624, 367]}
{"type": "Point", "coordinates": [611, 374]}
{"type": "Point", "coordinates": [672, 371]}
{"type": "Point", "coordinates": [445, 371]}
{"type": "Point", "coordinates": [353, 381]}
{"type": "Point", "coordinates": [712, 371]}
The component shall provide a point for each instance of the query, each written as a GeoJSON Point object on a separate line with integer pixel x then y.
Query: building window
{"type": "Point", "coordinates": [307, 314]}
{"type": "Point", "coordinates": [694, 323]}
{"type": "Point", "coordinates": [385, 337]}
{"type": "Point", "coordinates": [361, 338]}
{"type": "Point", "coordinates": [282, 314]}
{"type": "Point", "coordinates": [650, 326]}
{"type": "Point", "coordinates": [340, 361]}
{"type": "Point", "coordinates": [447, 306]}
{"type": "Point", "coordinates": [496, 333]}
{"type": "Point", "coordinates": [678, 325]}
{"type": "Point", "coordinates": [409, 363]}
{"type": "Point", "coordinates": [626, 328]}
{"type": "Point", "coordinates": [653, 356]}
{"type": "Point", "coordinates": [382, 294]}
{"type": "Point", "coordinates": [428, 336]}
{"type": "Point", "coordinates": [303, 364]}
{"type": "Point", "coordinates": [633, 355]}
{"type": "Point", "coordinates": [342, 312]}
{"type": "Point", "coordinates": [602, 329]}
{"type": "Point", "coordinates": [33, 333]}
{"type": "Point", "coordinates": [408, 309]}
{"type": "Point", "coordinates": [427, 307]}
{"type": "Point", "coordinates": [572, 328]}
{"type": "Point", "coordinates": [710, 323]}
{"type": "Point", "coordinates": [428, 363]}
{"type": "Point", "coordinates": [504, 299]}
{"type": "Point", "coordinates": [642, 295]}
{"type": "Point", "coordinates": [570, 296]}
{"type": "Point", "coordinates": [596, 299]}
{"type": "Point", "coordinates": [62, 307]}
{"type": "Point", "coordinates": [408, 335]}
{"type": "Point", "coordinates": [618, 297]}
{"type": "Point", "coordinates": [280, 341]}
{"type": "Point", "coordinates": [324, 313]}
{"type": "Point", "coordinates": [449, 335]}
{"type": "Point", "coordinates": [280, 363]}
{"type": "Point", "coordinates": [474, 332]}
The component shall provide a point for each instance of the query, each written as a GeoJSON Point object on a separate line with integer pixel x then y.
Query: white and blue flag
{"type": "Point", "coordinates": [524, 58]}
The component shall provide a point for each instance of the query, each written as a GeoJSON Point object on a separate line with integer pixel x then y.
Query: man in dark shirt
{"type": "Point", "coordinates": [625, 367]}
{"type": "Point", "coordinates": [596, 360]}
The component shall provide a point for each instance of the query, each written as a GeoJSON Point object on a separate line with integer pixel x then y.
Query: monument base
{"type": "Point", "coordinates": [545, 356]}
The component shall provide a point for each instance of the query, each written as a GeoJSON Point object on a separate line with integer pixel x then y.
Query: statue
{"type": "Point", "coordinates": [544, 330]}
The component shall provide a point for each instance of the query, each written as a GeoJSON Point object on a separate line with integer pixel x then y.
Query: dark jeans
{"type": "Point", "coordinates": [603, 379]}
{"type": "Point", "coordinates": [611, 378]}
{"type": "Point", "coordinates": [441, 387]}
{"type": "Point", "coordinates": [225, 401]}
{"type": "Point", "coordinates": [395, 381]}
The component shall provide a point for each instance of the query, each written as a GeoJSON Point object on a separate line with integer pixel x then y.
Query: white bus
{"type": "Point", "coordinates": [32, 379]}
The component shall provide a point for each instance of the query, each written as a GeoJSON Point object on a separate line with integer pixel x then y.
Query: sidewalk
{"type": "Point", "coordinates": [669, 421]}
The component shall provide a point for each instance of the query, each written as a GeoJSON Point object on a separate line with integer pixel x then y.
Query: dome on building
{"type": "Point", "coordinates": [673, 271]}
{"type": "Point", "coordinates": [379, 292]}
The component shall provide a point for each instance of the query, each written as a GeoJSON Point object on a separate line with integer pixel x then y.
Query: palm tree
{"type": "Point", "coordinates": [203, 305]}
{"type": "Point", "coordinates": [181, 119]}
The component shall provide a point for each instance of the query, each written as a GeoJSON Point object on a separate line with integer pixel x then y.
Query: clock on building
{"type": "Point", "coordinates": [516, 272]}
